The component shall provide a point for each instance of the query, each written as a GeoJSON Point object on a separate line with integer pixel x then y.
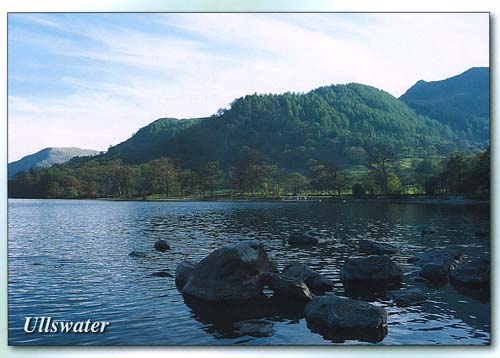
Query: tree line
{"type": "Point", "coordinates": [384, 173]}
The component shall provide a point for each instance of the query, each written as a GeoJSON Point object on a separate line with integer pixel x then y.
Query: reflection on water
{"type": "Point", "coordinates": [69, 260]}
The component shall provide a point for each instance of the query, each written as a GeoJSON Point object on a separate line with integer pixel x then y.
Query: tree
{"type": "Point", "coordinates": [380, 161]}
{"type": "Point", "coordinates": [296, 182]}
{"type": "Point", "coordinates": [250, 171]}
{"type": "Point", "coordinates": [330, 178]}
{"type": "Point", "coordinates": [455, 166]}
{"type": "Point", "coordinates": [210, 175]}
{"type": "Point", "coordinates": [358, 191]}
{"type": "Point", "coordinates": [160, 175]}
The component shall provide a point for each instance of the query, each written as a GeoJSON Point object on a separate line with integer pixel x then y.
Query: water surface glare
{"type": "Point", "coordinates": [69, 259]}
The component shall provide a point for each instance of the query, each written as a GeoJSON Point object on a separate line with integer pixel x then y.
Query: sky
{"type": "Point", "coordinates": [92, 80]}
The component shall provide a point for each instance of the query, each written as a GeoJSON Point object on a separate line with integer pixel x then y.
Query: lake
{"type": "Point", "coordinates": [69, 259]}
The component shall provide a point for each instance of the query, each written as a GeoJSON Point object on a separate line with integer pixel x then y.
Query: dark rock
{"type": "Point", "coordinates": [137, 254]}
{"type": "Point", "coordinates": [341, 318]}
{"type": "Point", "coordinates": [448, 258]}
{"type": "Point", "coordinates": [229, 273]}
{"type": "Point", "coordinates": [376, 248]}
{"type": "Point", "coordinates": [409, 297]}
{"type": "Point", "coordinates": [474, 273]}
{"type": "Point", "coordinates": [434, 272]}
{"type": "Point", "coordinates": [298, 239]}
{"type": "Point", "coordinates": [274, 266]}
{"type": "Point", "coordinates": [161, 274]}
{"type": "Point", "coordinates": [427, 230]}
{"type": "Point", "coordinates": [370, 268]}
{"type": "Point", "coordinates": [255, 328]}
{"type": "Point", "coordinates": [286, 288]}
{"type": "Point", "coordinates": [315, 281]}
{"type": "Point", "coordinates": [183, 272]}
{"type": "Point", "coordinates": [161, 245]}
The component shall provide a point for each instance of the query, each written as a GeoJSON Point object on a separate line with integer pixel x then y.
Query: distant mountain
{"type": "Point", "coordinates": [461, 101]}
{"type": "Point", "coordinates": [47, 157]}
{"type": "Point", "coordinates": [293, 130]}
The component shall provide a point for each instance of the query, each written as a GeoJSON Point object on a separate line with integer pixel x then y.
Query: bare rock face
{"type": "Point", "coordinates": [161, 245]}
{"type": "Point", "coordinates": [448, 258]}
{"type": "Point", "coordinates": [255, 328]}
{"type": "Point", "coordinates": [229, 273]}
{"type": "Point", "coordinates": [183, 272]}
{"type": "Point", "coordinates": [371, 269]}
{"type": "Point", "coordinates": [474, 274]}
{"type": "Point", "coordinates": [409, 297]}
{"type": "Point", "coordinates": [293, 291]}
{"type": "Point", "coordinates": [298, 239]}
{"type": "Point", "coordinates": [340, 318]}
{"type": "Point", "coordinates": [376, 248]}
{"type": "Point", "coordinates": [435, 273]}
{"type": "Point", "coordinates": [316, 282]}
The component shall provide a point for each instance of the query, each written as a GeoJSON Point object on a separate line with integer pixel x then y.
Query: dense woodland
{"type": "Point", "coordinates": [254, 176]}
{"type": "Point", "coordinates": [335, 141]}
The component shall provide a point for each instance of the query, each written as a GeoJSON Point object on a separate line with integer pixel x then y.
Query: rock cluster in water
{"type": "Point", "coordinates": [239, 274]}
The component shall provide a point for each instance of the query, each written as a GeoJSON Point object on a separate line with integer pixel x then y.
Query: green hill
{"type": "Point", "coordinates": [462, 102]}
{"type": "Point", "coordinates": [293, 130]}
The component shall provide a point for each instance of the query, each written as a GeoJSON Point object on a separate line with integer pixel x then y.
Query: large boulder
{"type": "Point", "coordinates": [376, 248]}
{"type": "Point", "coordinates": [229, 273]}
{"type": "Point", "coordinates": [316, 282]}
{"type": "Point", "coordinates": [370, 269]}
{"type": "Point", "coordinates": [434, 273]}
{"type": "Point", "coordinates": [299, 239]}
{"type": "Point", "coordinates": [287, 289]}
{"type": "Point", "coordinates": [342, 318]}
{"type": "Point", "coordinates": [474, 273]}
{"type": "Point", "coordinates": [409, 297]}
{"type": "Point", "coordinates": [161, 245]}
{"type": "Point", "coordinates": [183, 272]}
{"type": "Point", "coordinates": [448, 258]}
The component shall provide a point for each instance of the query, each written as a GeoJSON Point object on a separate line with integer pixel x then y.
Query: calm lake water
{"type": "Point", "coordinates": [69, 260]}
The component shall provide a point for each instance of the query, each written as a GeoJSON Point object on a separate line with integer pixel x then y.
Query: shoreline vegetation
{"type": "Point", "coordinates": [457, 177]}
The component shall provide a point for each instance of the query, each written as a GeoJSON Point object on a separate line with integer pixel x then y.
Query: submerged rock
{"type": "Point", "coordinates": [137, 254]}
{"type": "Point", "coordinates": [255, 328]}
{"type": "Point", "coordinates": [315, 281]}
{"type": "Point", "coordinates": [435, 273]}
{"type": "Point", "coordinates": [299, 239]}
{"type": "Point", "coordinates": [474, 273]}
{"type": "Point", "coordinates": [370, 268]}
{"type": "Point", "coordinates": [285, 288]}
{"type": "Point", "coordinates": [161, 274]}
{"type": "Point", "coordinates": [409, 297]}
{"type": "Point", "coordinates": [376, 248]}
{"type": "Point", "coordinates": [229, 273]}
{"type": "Point", "coordinates": [161, 245]}
{"type": "Point", "coordinates": [183, 272]}
{"type": "Point", "coordinates": [427, 230]}
{"type": "Point", "coordinates": [448, 258]}
{"type": "Point", "coordinates": [341, 318]}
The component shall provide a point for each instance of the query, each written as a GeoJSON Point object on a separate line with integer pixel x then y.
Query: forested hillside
{"type": "Point", "coordinates": [461, 101]}
{"type": "Point", "coordinates": [341, 123]}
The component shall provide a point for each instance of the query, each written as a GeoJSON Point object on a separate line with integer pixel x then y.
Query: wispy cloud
{"type": "Point", "coordinates": [101, 77]}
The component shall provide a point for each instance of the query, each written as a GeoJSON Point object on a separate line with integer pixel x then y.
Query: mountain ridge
{"type": "Point", "coordinates": [47, 157]}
